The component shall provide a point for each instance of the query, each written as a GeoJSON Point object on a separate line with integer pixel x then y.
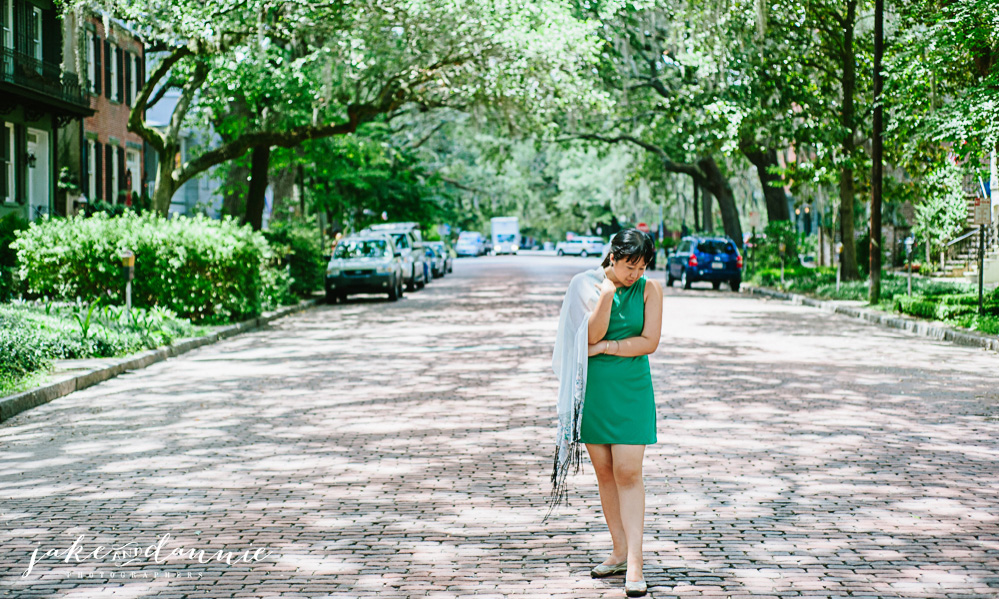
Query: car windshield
{"type": "Point", "coordinates": [401, 240]}
{"type": "Point", "coordinates": [715, 246]}
{"type": "Point", "coordinates": [363, 248]}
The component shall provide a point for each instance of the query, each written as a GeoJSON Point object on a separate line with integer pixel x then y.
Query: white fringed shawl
{"type": "Point", "coordinates": [569, 362]}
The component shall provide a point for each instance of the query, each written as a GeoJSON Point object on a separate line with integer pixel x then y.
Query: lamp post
{"type": "Point", "coordinates": [128, 273]}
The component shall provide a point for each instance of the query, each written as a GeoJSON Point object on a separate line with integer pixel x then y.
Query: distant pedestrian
{"type": "Point", "coordinates": [610, 322]}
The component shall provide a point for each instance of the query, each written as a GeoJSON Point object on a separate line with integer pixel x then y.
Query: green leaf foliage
{"type": "Point", "coordinates": [204, 270]}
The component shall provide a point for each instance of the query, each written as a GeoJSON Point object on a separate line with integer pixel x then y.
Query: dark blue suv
{"type": "Point", "coordinates": [714, 259]}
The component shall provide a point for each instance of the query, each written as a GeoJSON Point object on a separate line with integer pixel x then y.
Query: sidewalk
{"type": "Point", "coordinates": [74, 375]}
{"type": "Point", "coordinates": [855, 309]}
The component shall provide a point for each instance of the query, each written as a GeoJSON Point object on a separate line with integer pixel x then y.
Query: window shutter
{"type": "Point", "coordinates": [98, 76]}
{"type": "Point", "coordinates": [98, 172]}
{"type": "Point", "coordinates": [20, 164]}
{"type": "Point", "coordinates": [85, 169]}
{"type": "Point", "coordinates": [4, 158]}
{"type": "Point", "coordinates": [140, 66]}
{"type": "Point", "coordinates": [51, 37]}
{"type": "Point", "coordinates": [107, 69]}
{"type": "Point", "coordinates": [20, 29]}
{"type": "Point", "coordinates": [108, 176]}
{"type": "Point", "coordinates": [121, 172]}
{"type": "Point", "coordinates": [121, 74]}
{"type": "Point", "coordinates": [128, 78]}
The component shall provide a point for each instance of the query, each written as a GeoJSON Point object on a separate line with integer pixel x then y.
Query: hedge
{"type": "Point", "coordinates": [201, 269]}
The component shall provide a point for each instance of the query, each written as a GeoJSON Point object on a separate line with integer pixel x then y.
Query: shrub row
{"type": "Point", "coordinates": [33, 334]}
{"type": "Point", "coordinates": [946, 307]}
{"type": "Point", "coordinates": [206, 270]}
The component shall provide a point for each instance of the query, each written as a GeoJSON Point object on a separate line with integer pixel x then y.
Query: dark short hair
{"type": "Point", "coordinates": [631, 245]}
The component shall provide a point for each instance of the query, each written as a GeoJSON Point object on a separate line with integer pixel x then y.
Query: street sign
{"type": "Point", "coordinates": [754, 220]}
{"type": "Point", "coordinates": [979, 211]}
{"type": "Point", "coordinates": [644, 228]}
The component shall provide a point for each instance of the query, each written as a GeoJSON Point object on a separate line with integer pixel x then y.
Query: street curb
{"type": "Point", "coordinates": [923, 328]}
{"type": "Point", "coordinates": [19, 402]}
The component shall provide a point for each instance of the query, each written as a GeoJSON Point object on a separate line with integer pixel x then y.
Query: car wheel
{"type": "Point", "coordinates": [394, 293]}
{"type": "Point", "coordinates": [716, 285]}
{"type": "Point", "coordinates": [343, 298]}
{"type": "Point", "coordinates": [670, 281]}
{"type": "Point", "coordinates": [734, 284]}
{"type": "Point", "coordinates": [411, 284]}
{"type": "Point", "coordinates": [560, 253]}
{"type": "Point", "coordinates": [331, 296]}
{"type": "Point", "coordinates": [583, 254]}
{"type": "Point", "coordinates": [684, 279]}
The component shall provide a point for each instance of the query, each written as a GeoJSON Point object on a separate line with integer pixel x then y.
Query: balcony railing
{"type": "Point", "coordinates": [44, 77]}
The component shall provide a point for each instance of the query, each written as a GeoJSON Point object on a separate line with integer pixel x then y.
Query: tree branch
{"type": "Point", "coordinates": [389, 98]}
{"type": "Point", "coordinates": [186, 97]}
{"type": "Point", "coordinates": [668, 164]}
{"type": "Point", "coordinates": [136, 122]}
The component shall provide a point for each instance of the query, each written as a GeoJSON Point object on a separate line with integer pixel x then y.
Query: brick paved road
{"type": "Point", "coordinates": [402, 450]}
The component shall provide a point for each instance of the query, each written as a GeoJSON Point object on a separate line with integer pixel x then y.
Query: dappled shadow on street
{"type": "Point", "coordinates": [403, 449]}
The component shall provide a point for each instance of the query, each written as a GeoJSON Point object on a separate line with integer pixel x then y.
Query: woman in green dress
{"type": "Point", "coordinates": [619, 411]}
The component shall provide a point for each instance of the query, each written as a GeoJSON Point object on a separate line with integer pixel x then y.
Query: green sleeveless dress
{"type": "Point", "coordinates": [619, 406]}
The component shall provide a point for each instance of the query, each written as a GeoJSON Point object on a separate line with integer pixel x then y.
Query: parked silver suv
{"type": "Point", "coordinates": [409, 242]}
{"type": "Point", "coordinates": [365, 263]}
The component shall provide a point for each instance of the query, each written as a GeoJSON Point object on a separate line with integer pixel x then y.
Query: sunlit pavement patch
{"type": "Point", "coordinates": [403, 449]}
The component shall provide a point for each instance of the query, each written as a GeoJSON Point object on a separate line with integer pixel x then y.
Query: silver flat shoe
{"type": "Point", "coordinates": [636, 589]}
{"type": "Point", "coordinates": [609, 569]}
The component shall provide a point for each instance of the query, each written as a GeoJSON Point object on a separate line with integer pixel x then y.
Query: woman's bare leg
{"type": "Point", "coordinates": [627, 468]}
{"type": "Point", "coordinates": [601, 457]}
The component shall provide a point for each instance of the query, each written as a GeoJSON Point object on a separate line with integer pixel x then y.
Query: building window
{"type": "Point", "coordinates": [134, 170]}
{"type": "Point", "coordinates": [35, 32]}
{"type": "Point", "coordinates": [135, 77]}
{"type": "Point", "coordinates": [91, 62]}
{"type": "Point", "coordinates": [113, 63]}
{"type": "Point", "coordinates": [7, 6]}
{"type": "Point", "coordinates": [115, 184]}
{"type": "Point", "coordinates": [93, 169]}
{"type": "Point", "coordinates": [7, 163]}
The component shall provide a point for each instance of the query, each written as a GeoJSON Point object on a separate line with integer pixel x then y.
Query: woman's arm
{"type": "Point", "coordinates": [648, 341]}
{"type": "Point", "coordinates": [600, 318]}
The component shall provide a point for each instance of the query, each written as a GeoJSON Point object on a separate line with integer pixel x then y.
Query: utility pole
{"type": "Point", "coordinates": [878, 154]}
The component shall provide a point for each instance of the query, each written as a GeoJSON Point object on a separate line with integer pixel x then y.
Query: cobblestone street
{"type": "Point", "coordinates": [404, 450]}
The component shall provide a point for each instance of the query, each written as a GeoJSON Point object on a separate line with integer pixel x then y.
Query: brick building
{"type": "Point", "coordinates": [101, 153]}
{"type": "Point", "coordinates": [40, 93]}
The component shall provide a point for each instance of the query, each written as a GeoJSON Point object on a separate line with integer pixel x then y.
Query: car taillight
{"type": "Point", "coordinates": [738, 261]}
{"type": "Point", "coordinates": [693, 261]}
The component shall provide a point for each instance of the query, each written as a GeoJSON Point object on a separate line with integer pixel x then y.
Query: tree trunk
{"type": "Point", "coordinates": [697, 206]}
{"type": "Point", "coordinates": [260, 161]}
{"type": "Point", "coordinates": [846, 181]}
{"type": "Point", "coordinates": [718, 185]}
{"type": "Point", "coordinates": [706, 211]}
{"type": "Point", "coordinates": [774, 195]}
{"type": "Point", "coordinates": [165, 186]}
{"type": "Point", "coordinates": [283, 186]}
{"type": "Point", "coordinates": [234, 191]}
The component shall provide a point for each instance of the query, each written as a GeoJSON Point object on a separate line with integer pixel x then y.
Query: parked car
{"type": "Point", "coordinates": [447, 259]}
{"type": "Point", "coordinates": [714, 259]}
{"type": "Point", "coordinates": [409, 243]}
{"type": "Point", "coordinates": [581, 246]}
{"type": "Point", "coordinates": [365, 263]}
{"type": "Point", "coordinates": [470, 243]}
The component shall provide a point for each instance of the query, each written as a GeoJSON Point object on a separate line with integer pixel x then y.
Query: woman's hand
{"type": "Point", "coordinates": [597, 348]}
{"type": "Point", "coordinates": [606, 286]}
